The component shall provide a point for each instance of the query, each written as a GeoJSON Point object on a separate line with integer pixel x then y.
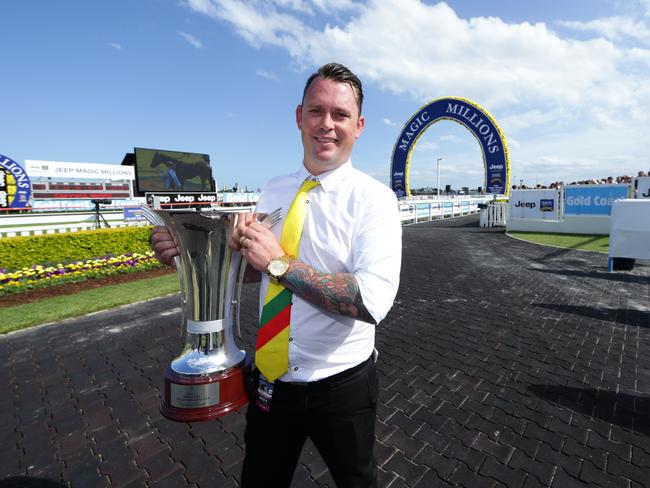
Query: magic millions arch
{"type": "Point", "coordinates": [469, 114]}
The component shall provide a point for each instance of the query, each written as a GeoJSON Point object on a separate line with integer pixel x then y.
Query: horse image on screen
{"type": "Point", "coordinates": [158, 170]}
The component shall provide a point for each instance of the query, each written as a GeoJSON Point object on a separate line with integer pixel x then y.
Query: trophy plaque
{"type": "Point", "coordinates": [206, 380]}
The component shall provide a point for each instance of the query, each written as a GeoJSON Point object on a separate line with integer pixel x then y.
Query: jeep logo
{"type": "Point", "coordinates": [525, 204]}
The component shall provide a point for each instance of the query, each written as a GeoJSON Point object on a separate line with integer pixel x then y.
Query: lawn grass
{"type": "Point", "coordinates": [597, 243]}
{"type": "Point", "coordinates": [67, 306]}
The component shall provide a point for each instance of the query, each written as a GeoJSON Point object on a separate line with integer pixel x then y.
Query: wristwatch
{"type": "Point", "coordinates": [278, 267]}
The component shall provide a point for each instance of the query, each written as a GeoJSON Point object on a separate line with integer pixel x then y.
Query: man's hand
{"type": "Point", "coordinates": [255, 242]}
{"type": "Point", "coordinates": [242, 220]}
{"type": "Point", "coordinates": [163, 245]}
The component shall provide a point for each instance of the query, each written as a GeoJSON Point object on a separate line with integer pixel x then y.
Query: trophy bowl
{"type": "Point", "coordinates": [206, 380]}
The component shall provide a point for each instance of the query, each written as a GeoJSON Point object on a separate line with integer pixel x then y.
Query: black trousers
{"type": "Point", "coordinates": [338, 414]}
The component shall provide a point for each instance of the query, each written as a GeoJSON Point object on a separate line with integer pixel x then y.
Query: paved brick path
{"type": "Point", "coordinates": [502, 364]}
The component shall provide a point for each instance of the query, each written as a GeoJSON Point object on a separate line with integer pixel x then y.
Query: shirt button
{"type": "Point", "coordinates": [295, 368]}
{"type": "Point", "coordinates": [307, 201]}
{"type": "Point", "coordinates": [290, 339]}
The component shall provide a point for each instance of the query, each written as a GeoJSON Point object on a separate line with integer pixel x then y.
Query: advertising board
{"type": "Point", "coordinates": [642, 187]}
{"type": "Point", "coordinates": [534, 204]}
{"type": "Point", "coordinates": [592, 199]}
{"type": "Point", "coordinates": [73, 171]}
{"type": "Point", "coordinates": [15, 188]}
{"type": "Point", "coordinates": [469, 114]}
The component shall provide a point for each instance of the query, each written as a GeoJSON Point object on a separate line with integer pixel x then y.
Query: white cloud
{"type": "Point", "coordinates": [449, 138]}
{"type": "Point", "coordinates": [203, 6]}
{"type": "Point", "coordinates": [614, 28]}
{"type": "Point", "coordinates": [389, 122]}
{"type": "Point", "coordinates": [323, 6]}
{"type": "Point", "coordinates": [535, 117]}
{"type": "Point", "coordinates": [637, 55]}
{"type": "Point", "coordinates": [116, 45]}
{"type": "Point", "coordinates": [296, 5]}
{"type": "Point", "coordinates": [259, 23]}
{"type": "Point", "coordinates": [540, 86]}
{"type": "Point", "coordinates": [390, 43]}
{"type": "Point", "coordinates": [267, 74]}
{"type": "Point", "coordinates": [191, 40]}
{"type": "Point", "coordinates": [427, 146]}
{"type": "Point", "coordinates": [219, 8]}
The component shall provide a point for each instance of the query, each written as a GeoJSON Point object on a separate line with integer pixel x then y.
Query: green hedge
{"type": "Point", "coordinates": [51, 249]}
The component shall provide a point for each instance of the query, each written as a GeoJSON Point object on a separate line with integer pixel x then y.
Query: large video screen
{"type": "Point", "coordinates": [160, 170]}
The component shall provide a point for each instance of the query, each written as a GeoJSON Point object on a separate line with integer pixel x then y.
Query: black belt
{"type": "Point", "coordinates": [330, 379]}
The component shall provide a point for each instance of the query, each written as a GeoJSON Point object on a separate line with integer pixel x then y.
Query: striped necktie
{"type": "Point", "coordinates": [272, 349]}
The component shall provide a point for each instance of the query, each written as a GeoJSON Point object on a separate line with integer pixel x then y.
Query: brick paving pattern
{"type": "Point", "coordinates": [502, 364]}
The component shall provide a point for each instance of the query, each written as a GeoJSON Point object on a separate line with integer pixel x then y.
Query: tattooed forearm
{"type": "Point", "coordinates": [334, 292]}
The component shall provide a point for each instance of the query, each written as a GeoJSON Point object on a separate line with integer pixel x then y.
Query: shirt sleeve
{"type": "Point", "coordinates": [377, 251]}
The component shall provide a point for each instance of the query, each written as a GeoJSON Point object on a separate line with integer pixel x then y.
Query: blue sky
{"type": "Point", "coordinates": [567, 81]}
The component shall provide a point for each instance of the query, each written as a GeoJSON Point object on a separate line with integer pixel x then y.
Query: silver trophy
{"type": "Point", "coordinates": [207, 379]}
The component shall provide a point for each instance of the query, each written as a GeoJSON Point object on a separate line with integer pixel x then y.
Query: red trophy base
{"type": "Point", "coordinates": [196, 398]}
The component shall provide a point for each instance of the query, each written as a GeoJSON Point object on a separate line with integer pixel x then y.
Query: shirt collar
{"type": "Point", "coordinates": [329, 180]}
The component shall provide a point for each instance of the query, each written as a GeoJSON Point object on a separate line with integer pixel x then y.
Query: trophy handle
{"type": "Point", "coordinates": [239, 263]}
{"type": "Point", "coordinates": [155, 219]}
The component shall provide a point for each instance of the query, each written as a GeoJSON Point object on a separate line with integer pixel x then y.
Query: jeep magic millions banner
{"type": "Point", "coordinates": [15, 188]}
{"type": "Point", "coordinates": [469, 114]}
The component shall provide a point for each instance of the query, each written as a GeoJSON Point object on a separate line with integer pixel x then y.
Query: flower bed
{"type": "Point", "coordinates": [39, 276]}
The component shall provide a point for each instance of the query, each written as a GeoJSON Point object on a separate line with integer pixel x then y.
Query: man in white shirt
{"type": "Point", "coordinates": [344, 280]}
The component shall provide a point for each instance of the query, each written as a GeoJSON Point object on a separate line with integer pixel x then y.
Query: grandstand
{"type": "Point", "coordinates": [69, 186]}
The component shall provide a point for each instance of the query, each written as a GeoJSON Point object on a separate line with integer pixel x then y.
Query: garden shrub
{"type": "Point", "coordinates": [52, 249]}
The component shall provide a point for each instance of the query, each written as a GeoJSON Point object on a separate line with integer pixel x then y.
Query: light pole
{"type": "Point", "coordinates": [438, 171]}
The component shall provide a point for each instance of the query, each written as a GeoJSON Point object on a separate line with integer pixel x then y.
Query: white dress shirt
{"type": "Point", "coordinates": [352, 225]}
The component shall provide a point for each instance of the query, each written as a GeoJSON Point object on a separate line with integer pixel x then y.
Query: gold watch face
{"type": "Point", "coordinates": [278, 267]}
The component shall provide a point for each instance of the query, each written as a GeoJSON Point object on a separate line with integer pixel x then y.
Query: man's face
{"type": "Point", "coordinates": [329, 124]}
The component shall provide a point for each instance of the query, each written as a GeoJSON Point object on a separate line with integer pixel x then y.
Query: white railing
{"type": "Point", "coordinates": [416, 210]}
{"type": "Point", "coordinates": [37, 223]}
{"type": "Point", "coordinates": [494, 214]}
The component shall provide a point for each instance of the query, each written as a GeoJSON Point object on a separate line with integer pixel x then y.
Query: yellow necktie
{"type": "Point", "coordinates": [272, 349]}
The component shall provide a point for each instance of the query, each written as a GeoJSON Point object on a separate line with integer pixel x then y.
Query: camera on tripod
{"type": "Point", "coordinates": [99, 218]}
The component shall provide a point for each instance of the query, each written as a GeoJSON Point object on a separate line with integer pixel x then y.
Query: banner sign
{"type": "Point", "coordinates": [15, 188]}
{"type": "Point", "coordinates": [642, 187]}
{"type": "Point", "coordinates": [469, 114]}
{"type": "Point", "coordinates": [422, 209]}
{"type": "Point", "coordinates": [239, 197]}
{"type": "Point", "coordinates": [534, 204]}
{"type": "Point", "coordinates": [592, 199]}
{"type": "Point", "coordinates": [132, 214]}
{"type": "Point", "coordinates": [185, 200]}
{"type": "Point", "coordinates": [88, 171]}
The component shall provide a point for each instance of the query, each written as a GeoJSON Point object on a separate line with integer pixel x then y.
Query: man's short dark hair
{"type": "Point", "coordinates": [338, 72]}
